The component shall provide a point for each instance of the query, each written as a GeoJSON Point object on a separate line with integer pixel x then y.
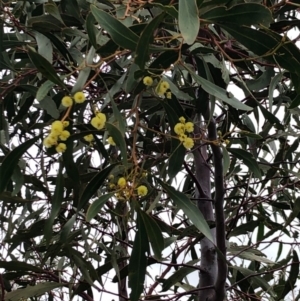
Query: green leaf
{"type": "Point", "coordinates": [226, 160]}
{"type": "Point", "coordinates": [247, 159]}
{"type": "Point", "coordinates": [91, 30]}
{"type": "Point", "coordinates": [65, 231]}
{"type": "Point", "coordinates": [119, 33]}
{"type": "Point", "coordinates": [48, 104]}
{"type": "Point", "coordinates": [96, 206]}
{"type": "Point", "coordinates": [11, 161]}
{"type": "Point", "coordinates": [119, 140]}
{"type": "Point", "coordinates": [264, 43]}
{"type": "Point", "coordinates": [56, 204]}
{"type": "Point", "coordinates": [189, 22]}
{"type": "Point", "coordinates": [19, 266]}
{"type": "Point", "coordinates": [218, 92]}
{"type": "Point", "coordinates": [256, 280]}
{"type": "Point", "coordinates": [146, 38]}
{"type": "Point", "coordinates": [44, 89]}
{"type": "Point", "coordinates": [46, 23]}
{"type": "Point", "coordinates": [94, 185]}
{"type": "Point", "coordinates": [176, 159]}
{"type": "Point", "coordinates": [44, 67]}
{"type": "Point", "coordinates": [241, 14]}
{"type": "Point", "coordinates": [176, 277]}
{"type": "Point", "coordinates": [154, 234]}
{"type": "Point", "coordinates": [138, 261]}
{"type": "Point", "coordinates": [32, 291]}
{"type": "Point", "coordinates": [293, 276]}
{"type": "Point", "coordinates": [191, 211]}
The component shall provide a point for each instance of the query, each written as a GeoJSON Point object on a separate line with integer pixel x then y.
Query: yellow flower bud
{"type": "Point", "coordinates": [122, 182]}
{"type": "Point", "coordinates": [89, 138]}
{"type": "Point", "coordinates": [189, 127]}
{"type": "Point", "coordinates": [169, 95]}
{"type": "Point", "coordinates": [98, 122]}
{"type": "Point", "coordinates": [67, 101]}
{"type": "Point", "coordinates": [188, 143]}
{"type": "Point", "coordinates": [111, 141]}
{"type": "Point", "coordinates": [182, 119]}
{"type": "Point", "coordinates": [64, 135]}
{"type": "Point", "coordinates": [179, 128]}
{"type": "Point", "coordinates": [148, 81]}
{"type": "Point", "coordinates": [79, 97]}
{"type": "Point", "coordinates": [142, 190]}
{"type": "Point", "coordinates": [57, 127]}
{"type": "Point", "coordinates": [164, 85]}
{"type": "Point", "coordinates": [61, 147]}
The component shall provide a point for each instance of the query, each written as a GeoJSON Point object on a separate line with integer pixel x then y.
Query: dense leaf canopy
{"type": "Point", "coordinates": [135, 136]}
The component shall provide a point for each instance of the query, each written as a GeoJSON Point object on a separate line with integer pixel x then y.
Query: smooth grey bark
{"type": "Point", "coordinates": [213, 266]}
{"type": "Point", "coordinates": [208, 263]}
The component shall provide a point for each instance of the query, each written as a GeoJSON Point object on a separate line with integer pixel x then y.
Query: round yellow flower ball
{"type": "Point", "coordinates": [89, 138]}
{"type": "Point", "coordinates": [179, 128]}
{"type": "Point", "coordinates": [61, 147]}
{"type": "Point", "coordinates": [111, 141]}
{"type": "Point", "coordinates": [122, 182]}
{"type": "Point", "coordinates": [98, 123]}
{"type": "Point", "coordinates": [57, 127]}
{"type": "Point", "coordinates": [164, 85]}
{"type": "Point", "coordinates": [148, 81]}
{"type": "Point", "coordinates": [142, 190]}
{"type": "Point", "coordinates": [64, 135]}
{"type": "Point", "coordinates": [79, 97]}
{"type": "Point", "coordinates": [67, 101]}
{"type": "Point", "coordinates": [189, 127]}
{"type": "Point", "coordinates": [188, 143]}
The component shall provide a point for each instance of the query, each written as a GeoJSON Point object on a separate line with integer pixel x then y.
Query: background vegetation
{"type": "Point", "coordinates": [174, 175]}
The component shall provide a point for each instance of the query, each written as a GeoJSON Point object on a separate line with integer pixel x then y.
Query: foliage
{"type": "Point", "coordinates": [105, 107]}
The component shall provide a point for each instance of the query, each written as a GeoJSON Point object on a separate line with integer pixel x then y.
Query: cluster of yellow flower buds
{"type": "Point", "coordinates": [161, 89]}
{"type": "Point", "coordinates": [67, 101]}
{"type": "Point", "coordinates": [98, 122]}
{"type": "Point", "coordinates": [57, 134]}
{"type": "Point", "coordinates": [124, 189]}
{"type": "Point", "coordinates": [181, 128]}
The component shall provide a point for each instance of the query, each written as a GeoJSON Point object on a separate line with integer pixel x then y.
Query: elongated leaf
{"type": "Point", "coordinates": [146, 38]}
{"type": "Point", "coordinates": [241, 14]}
{"type": "Point", "coordinates": [95, 207]}
{"type": "Point", "coordinates": [257, 280]}
{"type": "Point", "coordinates": [56, 204]}
{"type": "Point", "coordinates": [176, 277]}
{"type": "Point", "coordinates": [94, 185]}
{"type": "Point", "coordinates": [119, 33]}
{"type": "Point", "coordinates": [32, 291]}
{"type": "Point", "coordinates": [176, 159]}
{"type": "Point", "coordinates": [293, 276]}
{"type": "Point", "coordinates": [191, 211]}
{"type": "Point", "coordinates": [91, 30]}
{"type": "Point", "coordinates": [248, 160]}
{"type": "Point", "coordinates": [138, 261]}
{"type": "Point", "coordinates": [44, 89]}
{"type": "Point", "coordinates": [119, 140]}
{"type": "Point", "coordinates": [189, 22]}
{"type": "Point", "coordinates": [44, 67]}
{"type": "Point", "coordinates": [154, 234]}
{"type": "Point", "coordinates": [226, 160]}
{"type": "Point", "coordinates": [219, 93]}
{"type": "Point", "coordinates": [67, 229]}
{"type": "Point", "coordinates": [19, 266]}
{"type": "Point", "coordinates": [11, 160]}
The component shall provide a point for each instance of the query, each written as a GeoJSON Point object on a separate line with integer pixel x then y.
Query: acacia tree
{"type": "Point", "coordinates": [149, 150]}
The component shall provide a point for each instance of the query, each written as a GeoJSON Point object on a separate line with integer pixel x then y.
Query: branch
{"type": "Point", "coordinates": [219, 210]}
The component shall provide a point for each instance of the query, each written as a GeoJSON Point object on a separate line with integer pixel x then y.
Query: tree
{"type": "Point", "coordinates": [145, 142]}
